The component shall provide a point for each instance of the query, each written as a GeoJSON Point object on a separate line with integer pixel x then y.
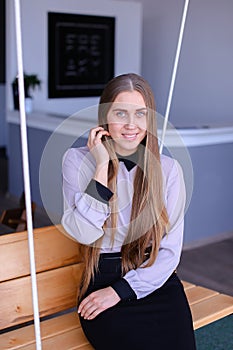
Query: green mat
{"type": "Point", "coordinates": [216, 336]}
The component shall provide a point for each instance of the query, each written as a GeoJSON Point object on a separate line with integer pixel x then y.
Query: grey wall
{"type": "Point", "coordinates": [45, 167]}
{"type": "Point", "coordinates": [2, 74]}
{"type": "Point", "coordinates": [3, 124]}
{"type": "Point", "coordinates": [204, 86]}
{"type": "Point", "coordinates": [210, 209]}
{"type": "Point", "coordinates": [2, 41]}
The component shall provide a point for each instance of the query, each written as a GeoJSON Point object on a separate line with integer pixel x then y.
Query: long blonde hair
{"type": "Point", "coordinates": [149, 219]}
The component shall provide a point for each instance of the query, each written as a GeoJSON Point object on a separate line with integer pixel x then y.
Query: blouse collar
{"type": "Point", "coordinates": [130, 161]}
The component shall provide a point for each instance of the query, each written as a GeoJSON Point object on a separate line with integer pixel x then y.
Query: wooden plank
{"type": "Point", "coordinates": [187, 285]}
{"type": "Point", "coordinates": [86, 347]}
{"type": "Point", "coordinates": [57, 291]}
{"type": "Point", "coordinates": [63, 332]}
{"type": "Point", "coordinates": [68, 321]}
{"type": "Point", "coordinates": [211, 309]}
{"type": "Point", "coordinates": [25, 335]}
{"type": "Point", "coordinates": [17, 305]}
{"type": "Point", "coordinates": [73, 339]}
{"type": "Point", "coordinates": [56, 345]}
{"type": "Point", "coordinates": [14, 257]}
{"type": "Point", "coordinates": [197, 294]}
{"type": "Point", "coordinates": [52, 249]}
{"type": "Point", "coordinates": [21, 338]}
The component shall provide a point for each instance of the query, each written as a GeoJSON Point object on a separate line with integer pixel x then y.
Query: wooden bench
{"type": "Point", "coordinates": [59, 268]}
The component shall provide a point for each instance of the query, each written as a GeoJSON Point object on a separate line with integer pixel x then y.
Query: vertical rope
{"type": "Point", "coordinates": [26, 176]}
{"type": "Point", "coordinates": [185, 10]}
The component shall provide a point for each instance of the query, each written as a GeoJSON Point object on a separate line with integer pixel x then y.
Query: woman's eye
{"type": "Point", "coordinates": [121, 114]}
{"type": "Point", "coordinates": [141, 114]}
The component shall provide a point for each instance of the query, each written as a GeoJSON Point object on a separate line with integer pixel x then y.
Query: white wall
{"type": "Point", "coordinates": [34, 32]}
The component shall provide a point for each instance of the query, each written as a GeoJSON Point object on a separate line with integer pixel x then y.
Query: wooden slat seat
{"type": "Point", "coordinates": [211, 309]}
{"type": "Point", "coordinates": [64, 331]}
{"type": "Point", "coordinates": [59, 267]}
{"type": "Point", "coordinates": [206, 304]}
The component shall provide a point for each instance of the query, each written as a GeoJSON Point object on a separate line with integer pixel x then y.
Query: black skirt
{"type": "Point", "coordinates": [160, 321]}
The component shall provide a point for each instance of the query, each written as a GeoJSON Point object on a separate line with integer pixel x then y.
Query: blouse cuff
{"type": "Point", "coordinates": [99, 191]}
{"type": "Point", "coordinates": [123, 289]}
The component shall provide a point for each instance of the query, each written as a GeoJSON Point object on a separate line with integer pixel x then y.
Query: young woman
{"type": "Point", "coordinates": [125, 204]}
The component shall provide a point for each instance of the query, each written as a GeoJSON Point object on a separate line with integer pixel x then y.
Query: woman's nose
{"type": "Point", "coordinates": [130, 121]}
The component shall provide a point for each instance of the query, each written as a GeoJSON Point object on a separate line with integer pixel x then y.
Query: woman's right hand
{"type": "Point", "coordinates": [99, 152]}
{"type": "Point", "coordinates": [95, 145]}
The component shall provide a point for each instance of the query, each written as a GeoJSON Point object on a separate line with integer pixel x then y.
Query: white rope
{"type": "Point", "coordinates": [24, 146]}
{"type": "Point", "coordinates": [185, 10]}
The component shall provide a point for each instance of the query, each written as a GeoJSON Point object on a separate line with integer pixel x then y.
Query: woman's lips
{"type": "Point", "coordinates": [130, 136]}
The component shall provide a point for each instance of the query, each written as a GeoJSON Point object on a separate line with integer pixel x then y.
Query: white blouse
{"type": "Point", "coordinates": [84, 215]}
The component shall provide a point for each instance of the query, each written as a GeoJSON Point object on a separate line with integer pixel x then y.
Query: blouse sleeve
{"type": "Point", "coordinates": [84, 214]}
{"type": "Point", "coordinates": [144, 281]}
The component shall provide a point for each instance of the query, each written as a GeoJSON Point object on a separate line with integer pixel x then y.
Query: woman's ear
{"type": "Point", "coordinates": [105, 126]}
{"type": "Point", "coordinates": [106, 137]}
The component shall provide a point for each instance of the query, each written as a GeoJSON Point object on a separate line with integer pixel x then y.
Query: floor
{"type": "Point", "coordinates": [209, 265]}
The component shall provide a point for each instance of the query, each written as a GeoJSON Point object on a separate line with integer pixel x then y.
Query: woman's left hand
{"type": "Point", "coordinates": [97, 302]}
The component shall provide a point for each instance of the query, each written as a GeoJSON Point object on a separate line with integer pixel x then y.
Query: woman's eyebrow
{"type": "Point", "coordinates": [125, 110]}
{"type": "Point", "coordinates": [119, 109]}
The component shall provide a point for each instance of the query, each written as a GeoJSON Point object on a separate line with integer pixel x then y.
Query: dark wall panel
{"type": "Point", "coordinates": [2, 41]}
